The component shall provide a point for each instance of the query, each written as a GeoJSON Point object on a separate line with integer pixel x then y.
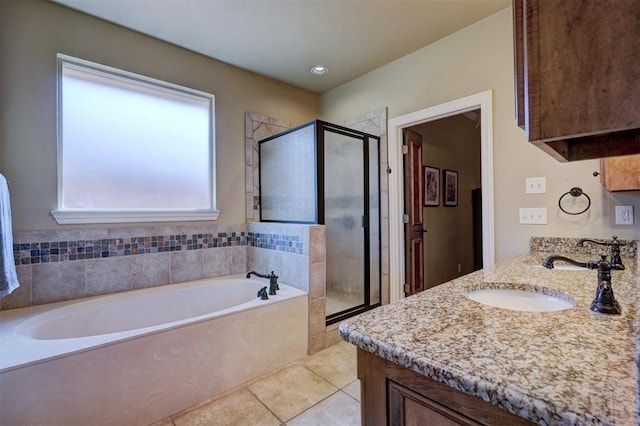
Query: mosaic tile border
{"type": "Point", "coordinates": [285, 243]}
{"type": "Point", "coordinates": [62, 251]}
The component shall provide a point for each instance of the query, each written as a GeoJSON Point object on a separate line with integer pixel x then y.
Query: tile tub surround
{"type": "Point", "coordinates": [564, 367]}
{"type": "Point", "coordinates": [55, 266]}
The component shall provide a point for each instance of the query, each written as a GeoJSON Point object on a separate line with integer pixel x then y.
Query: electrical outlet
{"type": "Point", "coordinates": [624, 215]}
{"type": "Point", "coordinates": [533, 216]}
{"type": "Point", "coordinates": [536, 185]}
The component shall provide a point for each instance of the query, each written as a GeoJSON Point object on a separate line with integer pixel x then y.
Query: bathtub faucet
{"type": "Point", "coordinates": [273, 284]}
{"type": "Point", "coordinates": [262, 293]}
{"type": "Point", "coordinates": [273, 280]}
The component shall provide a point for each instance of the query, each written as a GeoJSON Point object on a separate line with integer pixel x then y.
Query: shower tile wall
{"type": "Point", "coordinates": [258, 127]}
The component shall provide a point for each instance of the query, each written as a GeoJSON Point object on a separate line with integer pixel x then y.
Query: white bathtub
{"type": "Point", "coordinates": [139, 356]}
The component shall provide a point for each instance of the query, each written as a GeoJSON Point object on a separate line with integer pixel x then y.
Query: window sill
{"type": "Point", "coordinates": [73, 217]}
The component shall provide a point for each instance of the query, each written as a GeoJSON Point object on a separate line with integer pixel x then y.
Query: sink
{"type": "Point", "coordinates": [518, 300]}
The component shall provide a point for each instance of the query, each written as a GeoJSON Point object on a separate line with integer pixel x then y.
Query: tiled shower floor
{"type": "Point", "coordinates": [320, 389]}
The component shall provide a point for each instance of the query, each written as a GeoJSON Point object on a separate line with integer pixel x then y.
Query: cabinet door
{"type": "Point", "coordinates": [408, 408]}
{"type": "Point", "coordinates": [582, 67]}
{"type": "Point", "coordinates": [519, 51]}
{"type": "Point", "coordinates": [621, 173]}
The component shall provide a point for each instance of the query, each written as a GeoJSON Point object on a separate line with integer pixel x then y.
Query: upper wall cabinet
{"type": "Point", "coordinates": [620, 173]}
{"type": "Point", "coordinates": [577, 66]}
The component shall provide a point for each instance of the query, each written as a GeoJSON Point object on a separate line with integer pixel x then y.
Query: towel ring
{"type": "Point", "coordinates": [575, 192]}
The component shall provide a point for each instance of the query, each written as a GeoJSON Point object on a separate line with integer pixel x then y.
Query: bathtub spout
{"type": "Point", "coordinates": [257, 274]}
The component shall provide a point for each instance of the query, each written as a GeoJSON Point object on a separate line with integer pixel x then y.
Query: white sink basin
{"type": "Point", "coordinates": [518, 300]}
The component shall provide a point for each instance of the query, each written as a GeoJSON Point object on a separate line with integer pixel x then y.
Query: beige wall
{"type": "Point", "coordinates": [473, 60]}
{"type": "Point", "coordinates": [451, 143]}
{"type": "Point", "coordinates": [33, 31]}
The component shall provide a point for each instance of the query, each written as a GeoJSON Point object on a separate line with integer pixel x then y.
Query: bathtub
{"type": "Point", "coordinates": [139, 356]}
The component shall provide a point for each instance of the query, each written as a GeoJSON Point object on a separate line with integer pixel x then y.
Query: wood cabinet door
{"type": "Point", "coordinates": [582, 67]}
{"type": "Point", "coordinates": [620, 173]}
{"type": "Point", "coordinates": [409, 408]}
{"type": "Point", "coordinates": [394, 395]}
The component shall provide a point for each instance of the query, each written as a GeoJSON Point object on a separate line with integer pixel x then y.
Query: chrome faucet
{"type": "Point", "coordinates": [614, 245]}
{"type": "Point", "coordinates": [273, 280]}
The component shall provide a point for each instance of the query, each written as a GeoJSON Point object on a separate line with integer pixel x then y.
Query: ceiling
{"type": "Point", "coordinates": [284, 39]}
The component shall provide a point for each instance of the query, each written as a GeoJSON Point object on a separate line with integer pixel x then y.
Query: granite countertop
{"type": "Point", "coordinates": [565, 367]}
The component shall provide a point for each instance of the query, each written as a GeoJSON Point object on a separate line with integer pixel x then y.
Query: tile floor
{"type": "Point", "coordinates": [320, 389]}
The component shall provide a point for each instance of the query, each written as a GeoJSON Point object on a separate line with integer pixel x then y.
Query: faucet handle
{"type": "Point", "coordinates": [615, 242]}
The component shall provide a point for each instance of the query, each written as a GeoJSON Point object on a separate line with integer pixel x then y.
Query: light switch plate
{"type": "Point", "coordinates": [624, 215]}
{"type": "Point", "coordinates": [533, 216]}
{"type": "Point", "coordinates": [536, 185]}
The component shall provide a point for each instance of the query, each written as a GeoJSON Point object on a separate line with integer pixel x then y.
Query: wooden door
{"type": "Point", "coordinates": [414, 195]}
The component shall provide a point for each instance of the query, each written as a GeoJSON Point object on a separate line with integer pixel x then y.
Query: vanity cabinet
{"type": "Point", "coordinates": [396, 396]}
{"type": "Point", "coordinates": [577, 70]}
{"type": "Point", "coordinates": [620, 173]}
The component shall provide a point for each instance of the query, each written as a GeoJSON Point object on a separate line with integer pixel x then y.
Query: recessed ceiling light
{"type": "Point", "coordinates": [319, 70]}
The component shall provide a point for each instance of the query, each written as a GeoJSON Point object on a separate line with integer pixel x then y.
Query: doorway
{"type": "Point", "coordinates": [482, 102]}
{"type": "Point", "coordinates": [442, 175]}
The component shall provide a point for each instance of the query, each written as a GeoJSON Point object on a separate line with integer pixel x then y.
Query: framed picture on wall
{"type": "Point", "coordinates": [450, 187]}
{"type": "Point", "coordinates": [431, 186]}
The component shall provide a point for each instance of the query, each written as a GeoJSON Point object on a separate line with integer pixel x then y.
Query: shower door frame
{"type": "Point", "coordinates": [319, 155]}
{"type": "Point", "coordinates": [364, 137]}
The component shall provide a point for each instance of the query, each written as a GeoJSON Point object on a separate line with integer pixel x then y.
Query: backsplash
{"type": "Point", "coordinates": [569, 245]}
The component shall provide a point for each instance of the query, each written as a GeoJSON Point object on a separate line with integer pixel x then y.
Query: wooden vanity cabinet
{"type": "Point", "coordinates": [577, 72]}
{"type": "Point", "coordinates": [620, 173]}
{"type": "Point", "coordinates": [396, 396]}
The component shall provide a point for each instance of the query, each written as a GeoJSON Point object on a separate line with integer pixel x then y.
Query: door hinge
{"type": "Point", "coordinates": [405, 218]}
{"type": "Point", "coordinates": [405, 149]}
{"type": "Point", "coordinates": [406, 288]}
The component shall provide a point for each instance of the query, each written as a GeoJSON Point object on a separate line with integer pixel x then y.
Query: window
{"type": "Point", "coordinates": [132, 148]}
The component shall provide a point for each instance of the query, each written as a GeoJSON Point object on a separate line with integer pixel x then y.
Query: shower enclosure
{"type": "Point", "coordinates": [328, 174]}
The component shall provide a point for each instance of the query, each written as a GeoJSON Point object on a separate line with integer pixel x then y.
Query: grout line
{"type": "Point", "coordinates": [266, 406]}
{"type": "Point", "coordinates": [246, 385]}
{"type": "Point", "coordinates": [314, 405]}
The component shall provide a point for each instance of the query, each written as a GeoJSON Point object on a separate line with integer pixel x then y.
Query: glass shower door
{"type": "Point", "coordinates": [345, 220]}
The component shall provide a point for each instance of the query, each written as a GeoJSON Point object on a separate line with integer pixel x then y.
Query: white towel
{"type": "Point", "coordinates": [8, 276]}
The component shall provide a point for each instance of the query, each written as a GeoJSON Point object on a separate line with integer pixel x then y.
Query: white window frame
{"type": "Point", "coordinates": [92, 216]}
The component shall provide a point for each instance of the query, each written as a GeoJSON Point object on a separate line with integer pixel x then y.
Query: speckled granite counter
{"type": "Point", "coordinates": [566, 367]}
